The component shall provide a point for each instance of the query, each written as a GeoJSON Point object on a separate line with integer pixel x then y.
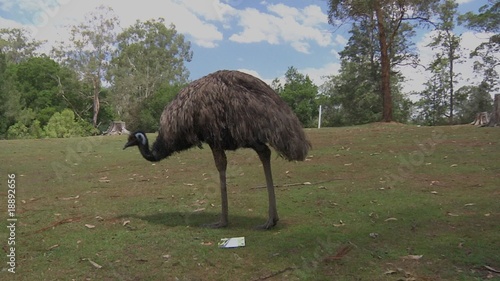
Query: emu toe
{"type": "Point", "coordinates": [271, 222]}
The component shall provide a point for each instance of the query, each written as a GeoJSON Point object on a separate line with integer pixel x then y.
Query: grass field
{"type": "Point", "coordinates": [374, 202]}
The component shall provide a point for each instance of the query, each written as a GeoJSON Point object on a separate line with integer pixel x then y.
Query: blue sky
{"type": "Point", "coordinates": [263, 38]}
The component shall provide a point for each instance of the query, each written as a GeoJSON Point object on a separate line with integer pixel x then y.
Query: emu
{"type": "Point", "coordinates": [228, 110]}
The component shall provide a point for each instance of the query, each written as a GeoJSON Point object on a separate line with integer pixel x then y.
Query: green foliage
{"type": "Point", "coordinates": [384, 21]}
{"type": "Point", "coordinates": [448, 53]}
{"type": "Point", "coordinates": [64, 125]}
{"type": "Point", "coordinates": [354, 95]}
{"type": "Point", "coordinates": [26, 128]}
{"type": "Point", "coordinates": [88, 52]}
{"type": "Point", "coordinates": [300, 93]}
{"type": "Point", "coordinates": [149, 56]}
{"type": "Point", "coordinates": [487, 20]}
{"type": "Point", "coordinates": [36, 80]}
{"type": "Point", "coordinates": [60, 125]}
{"type": "Point", "coordinates": [472, 100]}
{"type": "Point", "coordinates": [17, 45]}
{"type": "Point", "coordinates": [18, 131]}
{"type": "Point", "coordinates": [147, 115]}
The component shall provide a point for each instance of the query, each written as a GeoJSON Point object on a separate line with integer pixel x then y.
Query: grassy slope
{"type": "Point", "coordinates": [416, 190]}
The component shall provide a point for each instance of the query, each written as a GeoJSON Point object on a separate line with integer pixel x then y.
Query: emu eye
{"type": "Point", "coordinates": [141, 138]}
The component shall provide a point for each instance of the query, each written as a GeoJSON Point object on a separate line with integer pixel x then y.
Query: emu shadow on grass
{"type": "Point", "coordinates": [192, 219]}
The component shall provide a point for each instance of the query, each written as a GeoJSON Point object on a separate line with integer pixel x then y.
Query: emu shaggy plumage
{"type": "Point", "coordinates": [228, 110]}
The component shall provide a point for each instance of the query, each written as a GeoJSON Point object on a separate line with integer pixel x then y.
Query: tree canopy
{"type": "Point", "coordinates": [386, 17]}
{"type": "Point", "coordinates": [87, 79]}
{"type": "Point", "coordinates": [103, 74]}
{"type": "Point", "coordinates": [300, 93]}
{"type": "Point", "coordinates": [149, 57]}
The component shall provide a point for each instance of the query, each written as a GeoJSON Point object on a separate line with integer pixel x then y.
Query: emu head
{"type": "Point", "coordinates": [138, 138]}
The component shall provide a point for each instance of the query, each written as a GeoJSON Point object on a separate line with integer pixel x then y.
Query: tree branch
{"type": "Point", "coordinates": [61, 92]}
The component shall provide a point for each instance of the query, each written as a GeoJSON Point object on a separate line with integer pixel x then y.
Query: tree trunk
{"type": "Point", "coordinates": [97, 90]}
{"type": "Point", "coordinates": [481, 119]}
{"type": "Point", "coordinates": [385, 86]}
{"type": "Point", "coordinates": [117, 128]}
{"type": "Point", "coordinates": [450, 57]}
{"type": "Point", "coordinates": [495, 115]}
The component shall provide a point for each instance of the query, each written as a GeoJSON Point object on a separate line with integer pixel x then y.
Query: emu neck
{"type": "Point", "coordinates": [157, 153]}
{"type": "Point", "coordinates": [147, 154]}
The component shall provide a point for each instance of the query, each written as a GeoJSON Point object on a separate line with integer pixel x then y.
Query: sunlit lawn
{"type": "Point", "coordinates": [374, 202]}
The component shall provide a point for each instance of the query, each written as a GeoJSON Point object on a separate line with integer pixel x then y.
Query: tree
{"type": "Point", "coordinates": [388, 17]}
{"type": "Point", "coordinates": [11, 107]}
{"type": "Point", "coordinates": [433, 101]}
{"type": "Point", "coordinates": [350, 97]}
{"type": "Point", "coordinates": [15, 48]}
{"type": "Point", "coordinates": [4, 122]}
{"type": "Point", "coordinates": [472, 100]}
{"type": "Point", "coordinates": [148, 117]}
{"type": "Point", "coordinates": [16, 44]}
{"type": "Point", "coordinates": [300, 93]}
{"type": "Point", "coordinates": [353, 96]}
{"type": "Point", "coordinates": [487, 20]}
{"type": "Point", "coordinates": [149, 56]}
{"type": "Point", "coordinates": [89, 50]}
{"type": "Point", "coordinates": [38, 88]}
{"type": "Point", "coordinates": [448, 45]}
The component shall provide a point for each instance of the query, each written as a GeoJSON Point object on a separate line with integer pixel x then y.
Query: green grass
{"type": "Point", "coordinates": [380, 192]}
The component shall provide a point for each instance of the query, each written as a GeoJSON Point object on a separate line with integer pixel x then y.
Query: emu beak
{"type": "Point", "coordinates": [130, 143]}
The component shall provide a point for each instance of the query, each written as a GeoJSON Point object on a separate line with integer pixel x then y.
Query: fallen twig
{"type": "Point", "coordinates": [69, 198]}
{"type": "Point", "coordinates": [340, 253]}
{"type": "Point", "coordinates": [57, 223]}
{"type": "Point", "coordinates": [93, 263]}
{"type": "Point", "coordinates": [275, 273]}
{"type": "Point", "coordinates": [491, 269]}
{"type": "Point", "coordinates": [299, 183]}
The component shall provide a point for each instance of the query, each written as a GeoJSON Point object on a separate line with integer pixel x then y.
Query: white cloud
{"type": "Point", "coordinates": [5, 23]}
{"type": "Point", "coordinates": [255, 73]}
{"type": "Point", "coordinates": [186, 18]}
{"type": "Point", "coordinates": [251, 72]}
{"type": "Point", "coordinates": [284, 11]}
{"type": "Point", "coordinates": [318, 75]}
{"type": "Point", "coordinates": [209, 10]}
{"type": "Point", "coordinates": [48, 19]}
{"type": "Point", "coordinates": [340, 40]}
{"type": "Point", "coordinates": [314, 16]}
{"type": "Point", "coordinates": [283, 24]}
{"type": "Point", "coordinates": [200, 20]}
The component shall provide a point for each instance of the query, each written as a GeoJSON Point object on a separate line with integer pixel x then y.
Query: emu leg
{"type": "Point", "coordinates": [221, 164]}
{"type": "Point", "coordinates": [265, 157]}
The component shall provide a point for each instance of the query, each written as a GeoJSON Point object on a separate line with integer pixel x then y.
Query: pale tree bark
{"type": "Point", "coordinates": [97, 105]}
{"type": "Point", "coordinates": [495, 115]}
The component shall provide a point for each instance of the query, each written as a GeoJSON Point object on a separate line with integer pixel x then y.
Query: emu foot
{"type": "Point", "coordinates": [271, 222]}
{"type": "Point", "coordinates": [219, 224]}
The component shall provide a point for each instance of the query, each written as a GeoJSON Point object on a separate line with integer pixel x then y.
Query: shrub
{"type": "Point", "coordinates": [18, 131]}
{"type": "Point", "coordinates": [22, 131]}
{"type": "Point", "coordinates": [64, 125]}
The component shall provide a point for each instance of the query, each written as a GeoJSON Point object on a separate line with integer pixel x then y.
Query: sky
{"type": "Point", "coordinates": [263, 38]}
